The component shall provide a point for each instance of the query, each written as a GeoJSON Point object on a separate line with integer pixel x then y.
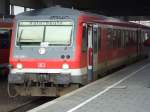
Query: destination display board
{"type": "Point", "coordinates": [43, 23]}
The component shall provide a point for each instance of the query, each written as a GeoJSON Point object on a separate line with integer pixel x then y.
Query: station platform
{"type": "Point", "coordinates": [127, 90]}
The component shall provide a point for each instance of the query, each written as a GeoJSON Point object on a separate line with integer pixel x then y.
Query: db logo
{"type": "Point", "coordinates": [41, 65]}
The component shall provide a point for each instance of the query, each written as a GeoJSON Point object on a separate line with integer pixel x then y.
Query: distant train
{"type": "Point", "coordinates": [56, 47]}
{"type": "Point", "coordinates": [5, 36]}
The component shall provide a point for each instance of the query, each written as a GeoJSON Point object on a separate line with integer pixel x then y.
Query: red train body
{"type": "Point", "coordinates": [59, 46]}
{"type": "Point", "coordinates": [5, 35]}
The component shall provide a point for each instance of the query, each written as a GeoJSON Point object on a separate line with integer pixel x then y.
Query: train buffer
{"type": "Point", "coordinates": [127, 90]}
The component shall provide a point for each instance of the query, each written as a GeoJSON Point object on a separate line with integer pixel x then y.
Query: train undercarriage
{"type": "Point", "coordinates": [42, 84]}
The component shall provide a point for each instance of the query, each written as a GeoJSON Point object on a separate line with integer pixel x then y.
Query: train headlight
{"type": "Point", "coordinates": [19, 66]}
{"type": "Point", "coordinates": [42, 51]}
{"type": "Point", "coordinates": [65, 66]}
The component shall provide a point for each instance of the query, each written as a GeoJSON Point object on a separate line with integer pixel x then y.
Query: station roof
{"type": "Point", "coordinates": [107, 7]}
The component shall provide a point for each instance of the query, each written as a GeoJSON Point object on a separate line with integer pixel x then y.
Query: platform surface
{"type": "Point", "coordinates": [127, 90]}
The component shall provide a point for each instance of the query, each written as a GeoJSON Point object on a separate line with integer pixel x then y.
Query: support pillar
{"type": "Point", "coordinates": [12, 10]}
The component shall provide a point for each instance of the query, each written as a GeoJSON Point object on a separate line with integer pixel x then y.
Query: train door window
{"type": "Point", "coordinates": [84, 38]}
{"type": "Point", "coordinates": [5, 38]}
{"type": "Point", "coordinates": [95, 38]}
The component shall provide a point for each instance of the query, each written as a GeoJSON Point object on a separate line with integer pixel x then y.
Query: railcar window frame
{"type": "Point", "coordinates": [95, 39]}
{"type": "Point", "coordinates": [110, 37]}
{"type": "Point", "coordinates": [119, 38]}
{"type": "Point", "coordinates": [5, 42]}
{"type": "Point", "coordinates": [84, 38]}
{"type": "Point", "coordinates": [99, 37]}
{"type": "Point", "coordinates": [67, 20]}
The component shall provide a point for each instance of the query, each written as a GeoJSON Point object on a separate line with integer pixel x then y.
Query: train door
{"type": "Point", "coordinates": [95, 49]}
{"type": "Point", "coordinates": [92, 51]}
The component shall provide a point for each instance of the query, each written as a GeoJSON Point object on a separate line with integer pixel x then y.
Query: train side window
{"type": "Point", "coordinates": [146, 36]}
{"type": "Point", "coordinates": [119, 38]}
{"type": "Point", "coordinates": [116, 38]}
{"type": "Point", "coordinates": [143, 37]}
{"type": "Point", "coordinates": [122, 39]}
{"type": "Point", "coordinates": [5, 39]}
{"type": "Point", "coordinates": [99, 38]}
{"type": "Point", "coordinates": [84, 38]}
{"type": "Point", "coordinates": [135, 36]}
{"type": "Point", "coordinates": [110, 37]}
{"type": "Point", "coordinates": [126, 38]}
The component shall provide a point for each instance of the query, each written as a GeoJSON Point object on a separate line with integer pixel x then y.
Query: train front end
{"type": "Point", "coordinates": [43, 56]}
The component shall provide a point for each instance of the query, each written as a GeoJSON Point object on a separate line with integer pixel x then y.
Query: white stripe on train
{"type": "Point", "coordinates": [73, 72]}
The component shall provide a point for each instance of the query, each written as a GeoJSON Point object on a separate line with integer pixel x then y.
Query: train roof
{"type": "Point", "coordinates": [57, 10]}
{"type": "Point", "coordinates": [60, 11]}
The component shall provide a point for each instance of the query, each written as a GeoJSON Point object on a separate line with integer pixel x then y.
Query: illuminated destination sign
{"type": "Point", "coordinates": [38, 23]}
{"type": "Point", "coordinates": [60, 17]}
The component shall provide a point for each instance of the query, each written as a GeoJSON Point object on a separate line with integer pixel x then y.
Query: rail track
{"type": "Point", "coordinates": [31, 104]}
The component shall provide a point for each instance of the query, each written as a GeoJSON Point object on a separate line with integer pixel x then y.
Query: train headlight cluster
{"type": "Point", "coordinates": [19, 66]}
{"type": "Point", "coordinates": [65, 66]}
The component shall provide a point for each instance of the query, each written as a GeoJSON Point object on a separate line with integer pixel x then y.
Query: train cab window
{"type": "Point", "coordinates": [5, 39]}
{"type": "Point", "coordinates": [84, 38]}
{"type": "Point", "coordinates": [55, 33]}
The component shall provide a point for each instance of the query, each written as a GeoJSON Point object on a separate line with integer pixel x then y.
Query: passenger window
{"type": "Point", "coordinates": [95, 39]}
{"type": "Point", "coordinates": [84, 38]}
{"type": "Point", "coordinates": [119, 38]}
{"type": "Point", "coordinates": [126, 38]}
{"type": "Point", "coordinates": [5, 39]}
{"type": "Point", "coordinates": [99, 38]}
{"type": "Point", "coordinates": [115, 39]}
{"type": "Point", "coordinates": [110, 38]}
{"type": "Point", "coordinates": [122, 39]}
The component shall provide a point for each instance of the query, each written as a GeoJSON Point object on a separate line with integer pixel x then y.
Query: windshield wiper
{"type": "Point", "coordinates": [71, 34]}
{"type": "Point", "coordinates": [20, 39]}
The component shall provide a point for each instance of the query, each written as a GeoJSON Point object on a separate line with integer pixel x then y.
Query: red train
{"type": "Point", "coordinates": [57, 46]}
{"type": "Point", "coordinates": [5, 35]}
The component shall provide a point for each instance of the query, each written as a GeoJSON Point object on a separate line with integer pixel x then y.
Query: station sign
{"type": "Point", "coordinates": [43, 23]}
